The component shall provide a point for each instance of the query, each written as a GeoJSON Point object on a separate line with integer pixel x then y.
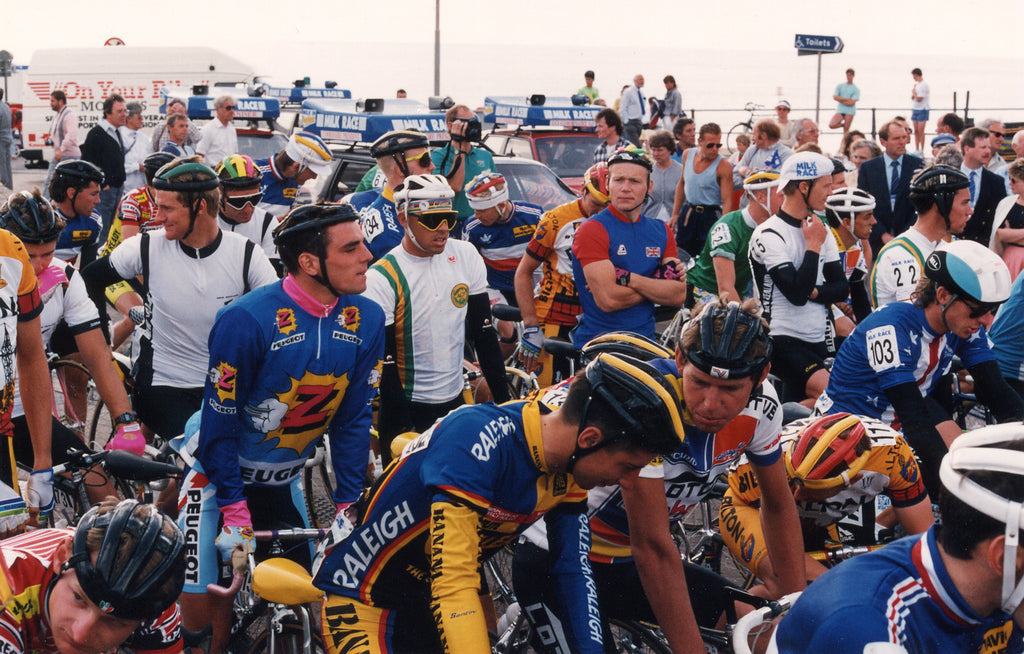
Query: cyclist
{"type": "Point", "coordinates": [23, 361]}
{"type": "Point", "coordinates": [433, 290]}
{"type": "Point", "coordinates": [557, 304]}
{"type": "Point", "coordinates": [623, 261]}
{"type": "Point", "coordinates": [895, 357]}
{"type": "Point", "coordinates": [723, 268]}
{"type": "Point", "coordinates": [955, 588]}
{"type": "Point", "coordinates": [190, 269]}
{"type": "Point", "coordinates": [136, 212]}
{"type": "Point", "coordinates": [849, 213]}
{"type": "Point", "coordinates": [408, 577]}
{"type": "Point", "coordinates": [941, 196]}
{"type": "Point", "coordinates": [75, 192]}
{"type": "Point", "coordinates": [399, 155]}
{"type": "Point", "coordinates": [287, 361]}
{"type": "Point", "coordinates": [110, 582]}
{"type": "Point", "coordinates": [69, 324]}
{"type": "Point", "coordinates": [305, 157]}
{"type": "Point", "coordinates": [796, 271]}
{"type": "Point", "coordinates": [240, 209]}
{"type": "Point", "coordinates": [837, 465]}
{"type": "Point", "coordinates": [719, 369]}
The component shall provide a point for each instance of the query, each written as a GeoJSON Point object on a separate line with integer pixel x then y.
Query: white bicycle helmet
{"type": "Point", "coordinates": [309, 151]}
{"type": "Point", "coordinates": [978, 451]}
{"type": "Point", "coordinates": [850, 200]}
{"type": "Point", "coordinates": [487, 190]}
{"type": "Point", "coordinates": [424, 194]}
{"type": "Point", "coordinates": [971, 271]}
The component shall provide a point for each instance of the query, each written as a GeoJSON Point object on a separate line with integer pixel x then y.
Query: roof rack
{"type": "Point", "coordinates": [199, 102]}
{"type": "Point", "coordinates": [366, 120]}
{"type": "Point", "coordinates": [540, 111]}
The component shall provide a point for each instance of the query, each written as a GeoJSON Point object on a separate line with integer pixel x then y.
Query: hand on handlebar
{"type": "Point", "coordinates": [531, 343]}
{"type": "Point", "coordinates": [39, 492]}
{"type": "Point", "coordinates": [128, 437]}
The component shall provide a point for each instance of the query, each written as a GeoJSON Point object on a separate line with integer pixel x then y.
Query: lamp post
{"type": "Point", "coordinates": [437, 47]}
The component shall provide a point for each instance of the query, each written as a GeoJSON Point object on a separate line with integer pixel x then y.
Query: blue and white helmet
{"type": "Point", "coordinates": [971, 271]}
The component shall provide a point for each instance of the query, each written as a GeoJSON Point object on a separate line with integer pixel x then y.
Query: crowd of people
{"type": "Point", "coordinates": [258, 326]}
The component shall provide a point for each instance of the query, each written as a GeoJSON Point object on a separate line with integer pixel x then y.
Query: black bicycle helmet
{"type": "Point", "coordinates": [628, 343]}
{"type": "Point", "coordinates": [397, 142]}
{"type": "Point", "coordinates": [123, 580]}
{"type": "Point", "coordinates": [724, 355]}
{"type": "Point", "coordinates": [937, 184]}
{"type": "Point", "coordinates": [77, 172]}
{"type": "Point", "coordinates": [302, 230]}
{"type": "Point", "coordinates": [155, 162]}
{"type": "Point", "coordinates": [643, 404]}
{"type": "Point", "coordinates": [29, 217]}
{"type": "Point", "coordinates": [631, 154]}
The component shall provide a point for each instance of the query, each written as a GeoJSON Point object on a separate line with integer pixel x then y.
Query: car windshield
{"type": "Point", "coordinates": [533, 183]}
{"type": "Point", "coordinates": [568, 156]}
{"type": "Point", "coordinates": [261, 145]}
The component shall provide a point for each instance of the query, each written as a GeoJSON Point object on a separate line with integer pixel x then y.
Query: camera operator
{"type": "Point", "coordinates": [459, 161]}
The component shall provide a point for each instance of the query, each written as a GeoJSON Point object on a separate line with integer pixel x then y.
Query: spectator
{"type": "Point", "coordinates": [861, 151]}
{"type": "Point", "coordinates": [951, 124]}
{"type": "Point", "coordinates": [704, 191]}
{"type": "Point", "coordinates": [608, 127]}
{"type": "Point", "coordinates": [673, 107]}
{"type": "Point", "coordinates": [588, 89]}
{"type": "Point", "coordinates": [64, 135]}
{"type": "Point", "coordinates": [218, 137]}
{"type": "Point", "coordinates": [920, 95]}
{"type": "Point", "coordinates": [1018, 144]}
{"type": "Point", "coordinates": [849, 139]}
{"type": "Point", "coordinates": [460, 160]}
{"type": "Point", "coordinates": [847, 96]}
{"type": "Point", "coordinates": [6, 140]}
{"type": "Point", "coordinates": [768, 153]}
{"type": "Point", "coordinates": [665, 176]}
{"type": "Point", "coordinates": [1008, 234]}
{"type": "Point", "coordinates": [888, 179]}
{"type": "Point", "coordinates": [104, 148]}
{"type": "Point", "coordinates": [787, 127]}
{"type": "Point", "coordinates": [136, 147]}
{"type": "Point", "coordinates": [742, 143]}
{"type": "Point", "coordinates": [940, 140]}
{"type": "Point", "coordinates": [807, 132]}
{"type": "Point", "coordinates": [633, 109]}
{"type": "Point", "coordinates": [400, 93]}
{"type": "Point", "coordinates": [176, 136]}
{"type": "Point", "coordinates": [997, 163]}
{"type": "Point", "coordinates": [987, 188]}
{"type": "Point", "coordinates": [176, 107]}
{"type": "Point", "coordinates": [685, 133]}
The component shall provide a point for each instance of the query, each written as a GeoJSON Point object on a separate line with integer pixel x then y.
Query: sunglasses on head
{"type": "Point", "coordinates": [433, 221]}
{"type": "Point", "coordinates": [423, 159]}
{"type": "Point", "coordinates": [980, 310]}
{"type": "Point", "coordinates": [239, 202]}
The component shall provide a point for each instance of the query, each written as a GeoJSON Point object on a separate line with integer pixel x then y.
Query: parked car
{"type": "Point", "coordinates": [568, 153]}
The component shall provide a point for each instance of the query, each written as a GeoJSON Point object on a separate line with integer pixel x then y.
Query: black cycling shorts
{"type": "Point", "coordinates": [794, 361]}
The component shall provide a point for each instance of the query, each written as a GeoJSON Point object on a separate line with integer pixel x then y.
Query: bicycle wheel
{"type": "Point", "coordinates": [630, 636]}
{"type": "Point", "coordinates": [498, 573]}
{"type": "Point", "coordinates": [318, 488]}
{"type": "Point", "coordinates": [520, 382]}
{"type": "Point", "coordinates": [699, 542]}
{"type": "Point", "coordinates": [737, 129]}
{"type": "Point", "coordinates": [288, 641]}
{"type": "Point", "coordinates": [74, 394]}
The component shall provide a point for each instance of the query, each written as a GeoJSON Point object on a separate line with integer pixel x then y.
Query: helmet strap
{"type": "Point", "coordinates": [412, 237]}
{"type": "Point", "coordinates": [321, 253]}
{"type": "Point", "coordinates": [401, 163]}
{"type": "Point", "coordinates": [954, 297]}
{"type": "Point", "coordinates": [193, 213]}
{"type": "Point", "coordinates": [223, 207]}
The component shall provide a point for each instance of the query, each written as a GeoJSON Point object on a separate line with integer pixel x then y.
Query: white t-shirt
{"type": "Point", "coordinates": [425, 298]}
{"type": "Point", "coordinates": [186, 289]}
{"type": "Point", "coordinates": [217, 141]}
{"type": "Point", "coordinates": [922, 91]}
{"type": "Point", "coordinates": [776, 242]}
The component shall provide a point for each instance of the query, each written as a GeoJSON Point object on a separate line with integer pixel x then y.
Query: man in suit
{"type": "Point", "coordinates": [987, 188]}
{"type": "Point", "coordinates": [888, 179]}
{"type": "Point", "coordinates": [104, 147]}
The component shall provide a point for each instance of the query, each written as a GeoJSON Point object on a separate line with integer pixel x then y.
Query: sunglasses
{"type": "Point", "coordinates": [995, 133]}
{"type": "Point", "coordinates": [239, 202]}
{"type": "Point", "coordinates": [228, 107]}
{"type": "Point", "coordinates": [422, 159]}
{"type": "Point", "coordinates": [980, 311]}
{"type": "Point", "coordinates": [433, 221]}
{"type": "Point", "coordinates": [712, 145]}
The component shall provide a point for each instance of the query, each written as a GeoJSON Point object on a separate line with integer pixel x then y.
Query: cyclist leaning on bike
{"type": "Point", "coordinates": [287, 362]}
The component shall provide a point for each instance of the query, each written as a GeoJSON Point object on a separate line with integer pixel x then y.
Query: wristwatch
{"type": "Point", "coordinates": [126, 418]}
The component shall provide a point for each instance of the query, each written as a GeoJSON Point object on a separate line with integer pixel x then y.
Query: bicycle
{"type": "Point", "coordinates": [759, 625]}
{"type": "Point", "coordinates": [742, 127]}
{"type": "Point", "coordinates": [74, 392]}
{"type": "Point", "coordinates": [273, 600]}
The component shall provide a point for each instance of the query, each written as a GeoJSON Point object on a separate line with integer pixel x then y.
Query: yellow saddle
{"type": "Point", "coordinates": [284, 581]}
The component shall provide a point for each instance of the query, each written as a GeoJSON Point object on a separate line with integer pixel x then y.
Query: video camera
{"type": "Point", "coordinates": [473, 132]}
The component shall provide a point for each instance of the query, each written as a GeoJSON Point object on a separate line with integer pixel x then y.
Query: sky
{"type": "Point", "coordinates": [875, 25]}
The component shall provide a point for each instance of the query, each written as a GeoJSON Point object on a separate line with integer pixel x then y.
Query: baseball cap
{"type": "Point", "coordinates": [804, 166]}
{"type": "Point", "coordinates": [783, 103]}
{"type": "Point", "coordinates": [943, 139]}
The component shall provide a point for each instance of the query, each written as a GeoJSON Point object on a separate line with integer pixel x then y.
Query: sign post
{"type": "Point", "coordinates": [808, 44]}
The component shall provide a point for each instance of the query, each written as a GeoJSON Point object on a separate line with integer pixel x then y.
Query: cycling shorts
{"type": "Point", "coordinates": [199, 517]}
{"type": "Point", "coordinates": [62, 440]}
{"type": "Point", "coordinates": [165, 409]}
{"type": "Point", "coordinates": [795, 361]}
{"type": "Point", "coordinates": [355, 628]}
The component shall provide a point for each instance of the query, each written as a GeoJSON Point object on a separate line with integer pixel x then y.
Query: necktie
{"type": "Point", "coordinates": [973, 187]}
{"type": "Point", "coordinates": [120, 142]}
{"type": "Point", "coordinates": [895, 177]}
{"type": "Point", "coordinates": [642, 105]}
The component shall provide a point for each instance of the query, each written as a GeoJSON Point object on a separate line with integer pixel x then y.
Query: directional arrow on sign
{"type": "Point", "coordinates": [813, 44]}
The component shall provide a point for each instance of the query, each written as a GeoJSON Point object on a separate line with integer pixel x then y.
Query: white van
{"type": "Point", "coordinates": [88, 75]}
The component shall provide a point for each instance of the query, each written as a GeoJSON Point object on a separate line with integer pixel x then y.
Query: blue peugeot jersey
{"type": "Point", "coordinates": [901, 594]}
{"type": "Point", "coordinates": [892, 346]}
{"type": "Point", "coordinates": [381, 229]}
{"type": "Point", "coordinates": [279, 377]}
